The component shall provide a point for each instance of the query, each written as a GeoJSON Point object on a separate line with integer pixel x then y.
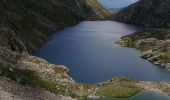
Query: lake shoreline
{"type": "Point", "coordinates": [146, 86]}
{"type": "Point", "coordinates": [152, 46]}
{"type": "Point", "coordinates": [88, 46]}
{"type": "Point", "coordinates": [154, 87]}
{"type": "Point", "coordinates": [81, 43]}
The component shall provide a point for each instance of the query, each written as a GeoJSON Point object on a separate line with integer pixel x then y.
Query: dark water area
{"type": "Point", "coordinates": [89, 51]}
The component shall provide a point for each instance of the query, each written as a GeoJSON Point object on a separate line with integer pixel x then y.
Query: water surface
{"type": "Point", "coordinates": [146, 95]}
{"type": "Point", "coordinates": [88, 49]}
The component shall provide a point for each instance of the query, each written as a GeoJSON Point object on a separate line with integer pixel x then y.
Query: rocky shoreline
{"type": "Point", "coordinates": [161, 88]}
{"type": "Point", "coordinates": [153, 48]}
{"type": "Point", "coordinates": [28, 74]}
{"type": "Point", "coordinates": [22, 71]}
{"type": "Point", "coordinates": [25, 77]}
{"type": "Point", "coordinates": [158, 87]}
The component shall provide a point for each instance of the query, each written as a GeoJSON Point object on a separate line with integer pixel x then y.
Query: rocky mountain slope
{"type": "Point", "coordinates": [26, 24]}
{"type": "Point", "coordinates": [150, 13]}
{"type": "Point", "coordinates": [115, 10]}
{"type": "Point", "coordinates": [153, 42]}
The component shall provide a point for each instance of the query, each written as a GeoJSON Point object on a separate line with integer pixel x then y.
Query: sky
{"type": "Point", "coordinates": [117, 3]}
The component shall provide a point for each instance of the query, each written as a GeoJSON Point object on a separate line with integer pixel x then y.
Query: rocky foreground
{"type": "Point", "coordinates": [22, 71]}
{"type": "Point", "coordinates": [11, 90]}
{"type": "Point", "coordinates": [154, 45]}
{"type": "Point", "coordinates": [26, 24]}
{"type": "Point", "coordinates": [25, 77]}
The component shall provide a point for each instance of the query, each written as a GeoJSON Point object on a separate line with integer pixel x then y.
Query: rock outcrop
{"type": "Point", "coordinates": [154, 45]}
{"type": "Point", "coordinates": [150, 13]}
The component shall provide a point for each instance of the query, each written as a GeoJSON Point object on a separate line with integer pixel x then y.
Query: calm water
{"type": "Point", "coordinates": [146, 95]}
{"type": "Point", "coordinates": [88, 49]}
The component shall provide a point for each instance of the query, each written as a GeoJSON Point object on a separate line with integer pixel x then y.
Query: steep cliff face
{"type": "Point", "coordinates": [26, 24]}
{"type": "Point", "coordinates": [152, 13]}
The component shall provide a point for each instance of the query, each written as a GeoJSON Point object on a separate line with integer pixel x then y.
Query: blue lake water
{"type": "Point", "coordinates": [89, 51]}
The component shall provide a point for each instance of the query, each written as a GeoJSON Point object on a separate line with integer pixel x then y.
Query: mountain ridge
{"type": "Point", "coordinates": [149, 13]}
{"type": "Point", "coordinates": [153, 40]}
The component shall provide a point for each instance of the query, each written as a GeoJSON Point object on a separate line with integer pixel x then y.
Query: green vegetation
{"type": "Point", "coordinates": [165, 57]}
{"type": "Point", "coordinates": [158, 33]}
{"type": "Point", "coordinates": [167, 90]}
{"type": "Point", "coordinates": [31, 78]}
{"type": "Point", "coordinates": [120, 88]}
{"type": "Point", "coordinates": [35, 72]}
{"type": "Point", "coordinates": [143, 46]}
{"type": "Point", "coordinates": [154, 45]}
{"type": "Point", "coordinates": [148, 39]}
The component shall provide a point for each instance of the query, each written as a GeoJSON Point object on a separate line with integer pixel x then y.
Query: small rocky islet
{"type": "Point", "coordinates": [26, 25]}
